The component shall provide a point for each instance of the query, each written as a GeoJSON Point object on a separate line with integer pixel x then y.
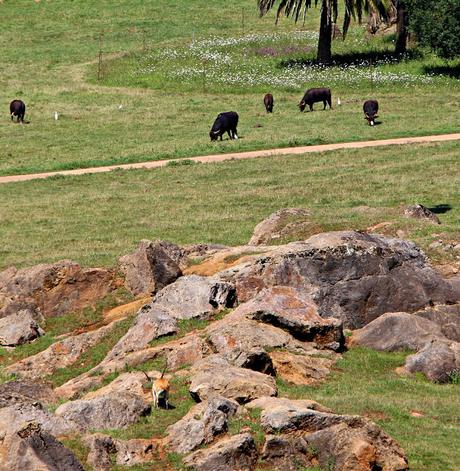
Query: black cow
{"type": "Point", "coordinates": [225, 122]}
{"type": "Point", "coordinates": [371, 108]}
{"type": "Point", "coordinates": [314, 95]}
{"type": "Point", "coordinates": [268, 102]}
{"type": "Point", "coordinates": [18, 109]}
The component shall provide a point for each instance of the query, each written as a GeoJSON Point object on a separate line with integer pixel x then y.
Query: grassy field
{"type": "Point", "coordinates": [173, 69]}
{"type": "Point", "coordinates": [94, 219]}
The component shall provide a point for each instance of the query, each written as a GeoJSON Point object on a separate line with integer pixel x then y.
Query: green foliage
{"type": "Point", "coordinates": [436, 25]}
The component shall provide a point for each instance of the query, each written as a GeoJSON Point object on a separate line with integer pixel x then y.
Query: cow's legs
{"type": "Point", "coordinates": [311, 107]}
{"type": "Point", "coordinates": [235, 135]}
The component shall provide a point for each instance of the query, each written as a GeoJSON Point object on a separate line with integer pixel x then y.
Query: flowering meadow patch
{"type": "Point", "coordinates": [275, 60]}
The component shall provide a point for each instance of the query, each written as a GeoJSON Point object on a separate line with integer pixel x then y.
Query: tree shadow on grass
{"type": "Point", "coordinates": [449, 70]}
{"type": "Point", "coordinates": [367, 58]}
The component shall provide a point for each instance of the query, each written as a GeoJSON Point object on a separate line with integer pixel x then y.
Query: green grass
{"type": "Point", "coordinates": [163, 117]}
{"type": "Point", "coordinates": [365, 383]}
{"type": "Point", "coordinates": [74, 321]}
{"type": "Point", "coordinates": [95, 219]}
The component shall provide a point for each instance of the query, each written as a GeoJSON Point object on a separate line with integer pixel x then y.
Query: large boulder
{"type": "Point", "coordinates": [293, 223]}
{"type": "Point", "coordinates": [19, 328]}
{"type": "Point", "coordinates": [295, 312]}
{"type": "Point", "coordinates": [397, 331]}
{"type": "Point", "coordinates": [447, 317]}
{"type": "Point", "coordinates": [105, 450]}
{"type": "Point", "coordinates": [352, 276]}
{"type": "Point", "coordinates": [112, 411]}
{"type": "Point", "coordinates": [150, 267]}
{"type": "Point", "coordinates": [201, 424]}
{"type": "Point", "coordinates": [214, 376]}
{"type": "Point", "coordinates": [32, 448]}
{"type": "Point", "coordinates": [351, 443]}
{"type": "Point", "coordinates": [17, 392]}
{"type": "Point", "coordinates": [60, 354]}
{"type": "Point", "coordinates": [439, 361]}
{"type": "Point", "coordinates": [53, 290]}
{"type": "Point", "coordinates": [238, 452]}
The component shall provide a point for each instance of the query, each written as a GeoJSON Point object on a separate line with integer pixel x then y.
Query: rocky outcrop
{"type": "Point", "coordinates": [418, 211]}
{"type": "Point", "coordinates": [294, 223]}
{"type": "Point", "coordinates": [238, 452]}
{"type": "Point", "coordinates": [201, 425]}
{"type": "Point", "coordinates": [439, 361]}
{"type": "Point", "coordinates": [105, 450]}
{"type": "Point", "coordinates": [31, 448]}
{"type": "Point", "coordinates": [60, 354]}
{"type": "Point", "coordinates": [214, 376]}
{"type": "Point", "coordinates": [188, 298]}
{"type": "Point", "coordinates": [350, 442]}
{"type": "Point", "coordinates": [287, 453]}
{"type": "Point", "coordinates": [150, 267]}
{"type": "Point", "coordinates": [17, 329]}
{"type": "Point", "coordinates": [53, 290]}
{"type": "Point", "coordinates": [352, 276]}
{"type": "Point", "coordinates": [397, 331]}
{"type": "Point", "coordinates": [17, 392]}
{"type": "Point", "coordinates": [111, 411]}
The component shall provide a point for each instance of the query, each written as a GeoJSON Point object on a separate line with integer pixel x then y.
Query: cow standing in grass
{"type": "Point", "coordinates": [225, 122]}
{"type": "Point", "coordinates": [371, 108]}
{"type": "Point", "coordinates": [315, 95]}
{"type": "Point", "coordinates": [18, 109]}
{"type": "Point", "coordinates": [268, 102]}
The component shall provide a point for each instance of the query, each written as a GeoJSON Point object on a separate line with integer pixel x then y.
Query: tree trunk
{"type": "Point", "coordinates": [401, 27]}
{"type": "Point", "coordinates": [324, 55]}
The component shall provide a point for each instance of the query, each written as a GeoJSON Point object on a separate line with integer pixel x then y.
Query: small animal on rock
{"type": "Point", "coordinates": [160, 390]}
{"type": "Point", "coordinates": [18, 109]}
{"type": "Point", "coordinates": [224, 123]}
{"type": "Point", "coordinates": [315, 95]}
{"type": "Point", "coordinates": [268, 102]}
{"type": "Point", "coordinates": [371, 108]}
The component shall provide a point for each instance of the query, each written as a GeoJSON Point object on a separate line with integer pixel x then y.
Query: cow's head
{"type": "Point", "coordinates": [302, 105]}
{"type": "Point", "coordinates": [214, 134]}
{"type": "Point", "coordinates": [370, 118]}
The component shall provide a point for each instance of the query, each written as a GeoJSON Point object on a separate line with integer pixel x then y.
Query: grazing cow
{"type": "Point", "coordinates": [225, 122]}
{"type": "Point", "coordinates": [268, 102]}
{"type": "Point", "coordinates": [18, 109]}
{"type": "Point", "coordinates": [314, 95]}
{"type": "Point", "coordinates": [370, 108]}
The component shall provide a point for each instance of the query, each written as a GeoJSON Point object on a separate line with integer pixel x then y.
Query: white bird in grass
{"type": "Point", "coordinates": [120, 107]}
{"type": "Point", "coordinates": [56, 116]}
{"type": "Point", "coordinates": [338, 102]}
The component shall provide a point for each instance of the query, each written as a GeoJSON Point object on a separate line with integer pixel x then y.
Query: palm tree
{"type": "Point", "coordinates": [329, 12]}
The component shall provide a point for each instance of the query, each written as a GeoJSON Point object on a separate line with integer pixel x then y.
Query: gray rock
{"type": "Point", "coordinates": [149, 268]}
{"type": "Point", "coordinates": [447, 317]}
{"type": "Point", "coordinates": [294, 222]}
{"type": "Point", "coordinates": [17, 392]}
{"type": "Point", "coordinates": [195, 296]}
{"type": "Point", "coordinates": [214, 376]}
{"type": "Point", "coordinates": [238, 452]}
{"type": "Point", "coordinates": [17, 329]}
{"type": "Point", "coordinates": [439, 361]}
{"type": "Point", "coordinates": [418, 211]}
{"type": "Point", "coordinates": [105, 450]}
{"type": "Point", "coordinates": [113, 411]}
{"type": "Point", "coordinates": [32, 448]}
{"type": "Point", "coordinates": [287, 453]}
{"type": "Point", "coordinates": [352, 276]}
{"type": "Point", "coordinates": [201, 425]}
{"type": "Point", "coordinates": [397, 331]}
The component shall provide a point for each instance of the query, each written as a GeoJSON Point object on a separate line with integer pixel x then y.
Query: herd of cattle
{"type": "Point", "coordinates": [227, 122]}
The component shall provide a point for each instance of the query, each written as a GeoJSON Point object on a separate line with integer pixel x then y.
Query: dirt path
{"type": "Point", "coordinates": [240, 156]}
